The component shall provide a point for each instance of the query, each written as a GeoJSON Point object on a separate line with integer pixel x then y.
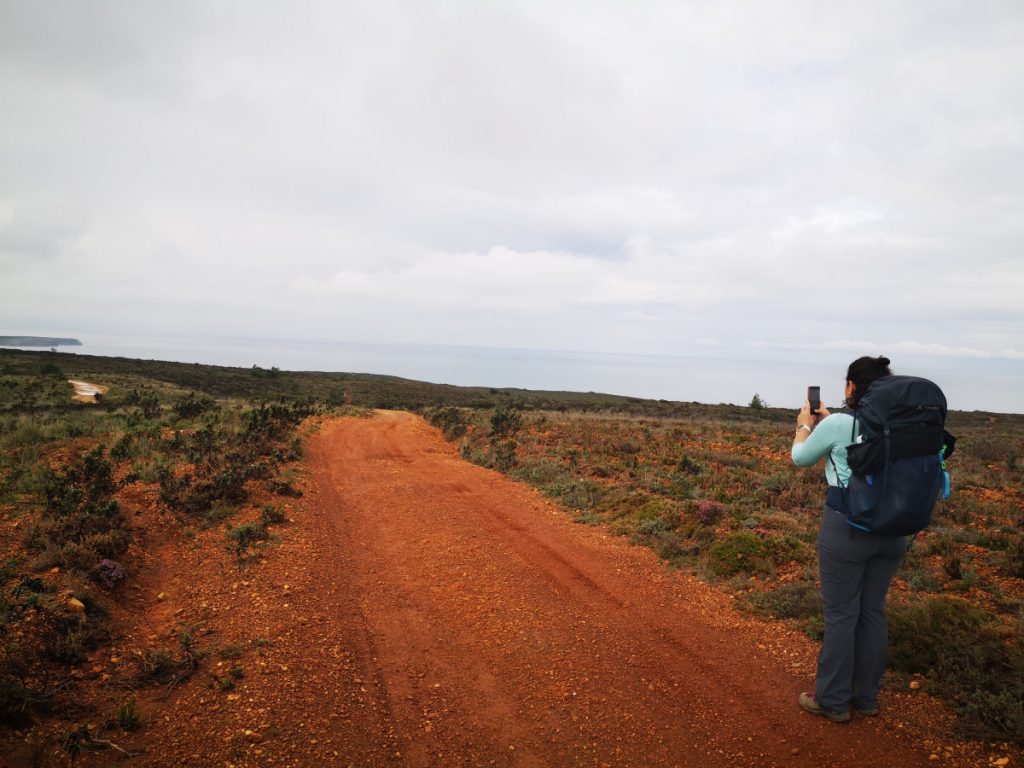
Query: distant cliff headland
{"type": "Point", "coordinates": [37, 341]}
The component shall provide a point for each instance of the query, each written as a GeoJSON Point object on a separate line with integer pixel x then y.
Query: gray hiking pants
{"type": "Point", "coordinates": [856, 569]}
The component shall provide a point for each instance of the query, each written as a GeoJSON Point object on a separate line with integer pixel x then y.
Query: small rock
{"type": "Point", "coordinates": [55, 570]}
{"type": "Point", "coordinates": [1001, 761]}
{"type": "Point", "coordinates": [795, 751]}
{"type": "Point", "coordinates": [933, 756]}
{"type": "Point", "coordinates": [162, 596]}
{"type": "Point", "coordinates": [77, 606]}
{"type": "Point", "coordinates": [254, 737]}
{"type": "Point", "coordinates": [915, 684]}
{"type": "Point", "coordinates": [303, 620]}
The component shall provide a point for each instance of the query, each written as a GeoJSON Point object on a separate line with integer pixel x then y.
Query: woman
{"type": "Point", "coordinates": [855, 567]}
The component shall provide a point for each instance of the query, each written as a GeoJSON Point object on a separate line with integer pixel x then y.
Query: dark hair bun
{"type": "Point", "coordinates": [862, 372]}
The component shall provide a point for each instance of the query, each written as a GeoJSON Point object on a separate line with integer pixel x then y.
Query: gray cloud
{"type": "Point", "coordinates": [659, 177]}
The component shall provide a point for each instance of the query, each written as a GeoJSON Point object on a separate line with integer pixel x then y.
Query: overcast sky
{"type": "Point", "coordinates": [733, 177]}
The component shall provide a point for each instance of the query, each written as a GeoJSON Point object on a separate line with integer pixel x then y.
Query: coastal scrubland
{"type": "Point", "coordinates": [196, 452]}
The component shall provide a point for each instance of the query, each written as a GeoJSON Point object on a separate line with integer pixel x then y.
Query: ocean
{"type": "Point", "coordinates": [779, 377]}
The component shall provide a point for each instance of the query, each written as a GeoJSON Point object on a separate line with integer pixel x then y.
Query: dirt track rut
{"type": "Point", "coordinates": [483, 627]}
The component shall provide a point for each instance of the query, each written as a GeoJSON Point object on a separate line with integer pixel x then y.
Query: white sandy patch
{"type": "Point", "coordinates": [86, 392]}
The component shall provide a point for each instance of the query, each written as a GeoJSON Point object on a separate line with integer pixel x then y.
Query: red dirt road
{"type": "Point", "coordinates": [478, 625]}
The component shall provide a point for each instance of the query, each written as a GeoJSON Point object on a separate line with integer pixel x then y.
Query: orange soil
{"type": "Point", "coordinates": [422, 611]}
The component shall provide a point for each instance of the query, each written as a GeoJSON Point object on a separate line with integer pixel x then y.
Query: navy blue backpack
{"type": "Point", "coordinates": [899, 462]}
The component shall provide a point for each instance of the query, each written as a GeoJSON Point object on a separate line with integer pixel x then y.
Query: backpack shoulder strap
{"type": "Point", "coordinates": [835, 469]}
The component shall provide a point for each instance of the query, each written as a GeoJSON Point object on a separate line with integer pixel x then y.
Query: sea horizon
{"type": "Point", "coordinates": [778, 377]}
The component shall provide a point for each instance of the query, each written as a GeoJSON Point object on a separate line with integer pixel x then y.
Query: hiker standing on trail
{"type": "Point", "coordinates": [856, 566]}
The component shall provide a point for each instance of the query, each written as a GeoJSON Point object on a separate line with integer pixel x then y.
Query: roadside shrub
{"type": "Point", "coordinates": [283, 486]}
{"type": "Point", "coordinates": [271, 515]}
{"type": "Point", "coordinates": [504, 455]}
{"type": "Point", "coordinates": [108, 573]}
{"type": "Point", "coordinates": [122, 448]}
{"type": "Point", "coordinates": [539, 473]}
{"type": "Point", "coordinates": [204, 443]}
{"type": "Point", "coordinates": [979, 668]}
{"type": "Point", "coordinates": [708, 512]}
{"type": "Point", "coordinates": [506, 423]}
{"type": "Point", "coordinates": [652, 527]}
{"type": "Point", "coordinates": [688, 466]}
{"type": "Point", "coordinates": [51, 369]}
{"type": "Point", "coordinates": [742, 552]}
{"type": "Point", "coordinates": [273, 421]}
{"type": "Point", "coordinates": [161, 666]}
{"type": "Point", "coordinates": [146, 401]}
{"type": "Point", "coordinates": [70, 638]}
{"type": "Point", "coordinates": [228, 485]}
{"type": "Point", "coordinates": [451, 421]}
{"type": "Point", "coordinates": [127, 715]}
{"type": "Point", "coordinates": [699, 539]}
{"type": "Point", "coordinates": [799, 600]}
{"type": "Point", "coordinates": [193, 405]}
{"type": "Point", "coordinates": [243, 537]}
{"type": "Point", "coordinates": [81, 524]}
{"type": "Point", "coordinates": [679, 487]}
{"type": "Point", "coordinates": [222, 483]}
{"type": "Point", "coordinates": [922, 632]}
{"type": "Point", "coordinates": [574, 492]}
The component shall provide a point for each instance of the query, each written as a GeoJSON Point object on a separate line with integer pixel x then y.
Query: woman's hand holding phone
{"type": "Point", "coordinates": [807, 418]}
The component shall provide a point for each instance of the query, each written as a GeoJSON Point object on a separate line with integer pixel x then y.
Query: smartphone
{"type": "Point", "coordinates": [814, 397]}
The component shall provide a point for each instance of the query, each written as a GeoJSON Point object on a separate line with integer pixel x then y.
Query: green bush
{"type": "Point", "coordinates": [504, 454]}
{"type": "Point", "coordinates": [452, 422]}
{"type": "Point", "coordinates": [128, 716]}
{"type": "Point", "coordinates": [271, 515]}
{"type": "Point", "coordinates": [146, 401]}
{"type": "Point", "coordinates": [973, 664]}
{"type": "Point", "coordinates": [193, 405]}
{"type": "Point", "coordinates": [246, 536]}
{"type": "Point", "coordinates": [742, 552]}
{"type": "Point", "coordinates": [70, 638]}
{"type": "Point", "coordinates": [80, 524]}
{"type": "Point", "coordinates": [506, 423]}
{"type": "Point", "coordinates": [799, 600]}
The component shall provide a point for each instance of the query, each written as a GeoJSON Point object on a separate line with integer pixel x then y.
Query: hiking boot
{"type": "Point", "coordinates": [865, 711]}
{"type": "Point", "coordinates": [810, 705]}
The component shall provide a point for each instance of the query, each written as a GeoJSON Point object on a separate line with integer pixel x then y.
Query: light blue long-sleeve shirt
{"type": "Point", "coordinates": [829, 437]}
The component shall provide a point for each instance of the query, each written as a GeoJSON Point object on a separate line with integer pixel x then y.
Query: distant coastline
{"type": "Point", "coordinates": [991, 385]}
{"type": "Point", "coordinates": [37, 341]}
